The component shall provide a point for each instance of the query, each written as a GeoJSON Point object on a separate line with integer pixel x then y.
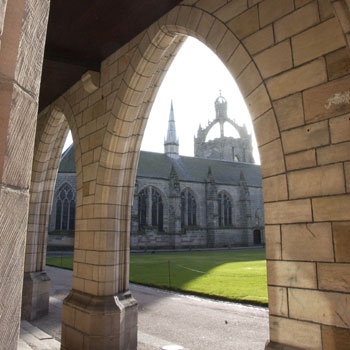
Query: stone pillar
{"type": "Point", "coordinates": [22, 46]}
{"type": "Point", "coordinates": [245, 218]}
{"type": "Point", "coordinates": [36, 295]}
{"type": "Point", "coordinates": [211, 197]}
{"type": "Point", "coordinates": [174, 203]}
{"type": "Point", "coordinates": [100, 313]}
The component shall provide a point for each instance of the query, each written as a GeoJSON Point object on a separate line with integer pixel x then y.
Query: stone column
{"type": "Point", "coordinates": [245, 212]}
{"type": "Point", "coordinates": [22, 46]}
{"type": "Point", "coordinates": [174, 203]}
{"type": "Point", "coordinates": [211, 203]}
{"type": "Point", "coordinates": [99, 313]}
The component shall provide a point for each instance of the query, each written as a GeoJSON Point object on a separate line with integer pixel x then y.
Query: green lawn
{"type": "Point", "coordinates": [238, 275]}
{"type": "Point", "coordinates": [65, 262]}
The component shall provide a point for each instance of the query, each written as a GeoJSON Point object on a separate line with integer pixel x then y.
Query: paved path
{"type": "Point", "coordinates": [167, 318]}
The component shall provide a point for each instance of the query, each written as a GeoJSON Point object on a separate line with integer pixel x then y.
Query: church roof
{"type": "Point", "coordinates": [193, 169]}
{"type": "Point", "coordinates": [67, 164]}
{"type": "Point", "coordinates": [189, 169]}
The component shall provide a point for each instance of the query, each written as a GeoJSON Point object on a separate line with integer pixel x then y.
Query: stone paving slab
{"type": "Point", "coordinates": [33, 338]}
{"type": "Point", "coordinates": [150, 342]}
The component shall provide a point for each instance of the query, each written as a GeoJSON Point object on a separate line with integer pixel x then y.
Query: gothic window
{"type": "Point", "coordinates": [142, 210]}
{"type": "Point", "coordinates": [65, 208]}
{"type": "Point", "coordinates": [157, 210]}
{"type": "Point", "coordinates": [188, 209]}
{"type": "Point", "coordinates": [224, 209]}
{"type": "Point", "coordinates": [150, 210]}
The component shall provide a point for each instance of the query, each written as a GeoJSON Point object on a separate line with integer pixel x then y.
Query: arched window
{"type": "Point", "coordinates": [142, 210]}
{"type": "Point", "coordinates": [188, 208]}
{"type": "Point", "coordinates": [224, 209]}
{"type": "Point", "coordinates": [150, 210]}
{"type": "Point", "coordinates": [157, 210]}
{"type": "Point", "coordinates": [65, 208]}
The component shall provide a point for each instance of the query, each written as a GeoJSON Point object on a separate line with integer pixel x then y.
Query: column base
{"type": "Point", "coordinates": [277, 346]}
{"type": "Point", "coordinates": [35, 295]}
{"type": "Point", "coordinates": [99, 322]}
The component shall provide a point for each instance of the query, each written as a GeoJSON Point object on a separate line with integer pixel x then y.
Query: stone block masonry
{"type": "Point", "coordinates": [289, 60]}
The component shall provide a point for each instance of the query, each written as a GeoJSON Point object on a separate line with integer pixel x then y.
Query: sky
{"type": "Point", "coordinates": [193, 82]}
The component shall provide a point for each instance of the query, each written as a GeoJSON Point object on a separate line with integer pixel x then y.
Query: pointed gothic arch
{"type": "Point", "coordinates": [151, 208]}
{"type": "Point", "coordinates": [258, 94]}
{"type": "Point", "coordinates": [65, 208]}
{"type": "Point", "coordinates": [225, 209]}
{"type": "Point", "coordinates": [265, 87]}
{"type": "Point", "coordinates": [189, 212]}
{"type": "Point", "coordinates": [53, 126]}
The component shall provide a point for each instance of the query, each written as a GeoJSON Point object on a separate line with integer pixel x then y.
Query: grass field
{"type": "Point", "coordinates": [236, 275]}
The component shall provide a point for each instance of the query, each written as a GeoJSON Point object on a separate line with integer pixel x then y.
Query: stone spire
{"type": "Point", "coordinates": [171, 143]}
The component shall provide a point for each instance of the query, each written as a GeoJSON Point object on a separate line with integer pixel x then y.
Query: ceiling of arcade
{"type": "Point", "coordinates": [82, 33]}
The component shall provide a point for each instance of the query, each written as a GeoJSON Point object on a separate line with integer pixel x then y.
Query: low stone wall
{"type": "Point", "coordinates": [60, 241]}
{"type": "Point", "coordinates": [153, 240]}
{"type": "Point", "coordinates": [230, 238]}
{"type": "Point", "coordinates": [191, 238]}
{"type": "Point", "coordinates": [194, 238]}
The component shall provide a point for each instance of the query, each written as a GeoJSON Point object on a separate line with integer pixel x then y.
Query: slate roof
{"type": "Point", "coordinates": [189, 169]}
{"type": "Point", "coordinates": [67, 164]}
{"type": "Point", "coordinates": [193, 169]}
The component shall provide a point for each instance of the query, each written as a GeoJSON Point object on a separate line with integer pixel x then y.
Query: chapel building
{"type": "Point", "coordinates": [210, 200]}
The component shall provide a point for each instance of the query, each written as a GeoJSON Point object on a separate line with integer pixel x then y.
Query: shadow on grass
{"type": "Point", "coordinates": [230, 275]}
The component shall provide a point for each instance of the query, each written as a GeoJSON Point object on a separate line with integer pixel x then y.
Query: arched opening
{"type": "Point", "coordinates": [51, 133]}
{"type": "Point", "coordinates": [150, 209]}
{"type": "Point", "coordinates": [105, 185]}
{"type": "Point", "coordinates": [246, 91]}
{"type": "Point", "coordinates": [257, 237]}
{"type": "Point", "coordinates": [63, 213]}
{"type": "Point", "coordinates": [224, 209]}
{"type": "Point", "coordinates": [65, 208]}
{"type": "Point", "coordinates": [188, 208]}
{"type": "Point", "coordinates": [221, 210]}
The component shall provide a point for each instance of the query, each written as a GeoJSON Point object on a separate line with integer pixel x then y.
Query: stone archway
{"type": "Point", "coordinates": [280, 81]}
{"type": "Point", "coordinates": [287, 89]}
{"type": "Point", "coordinates": [116, 169]}
{"type": "Point", "coordinates": [291, 62]}
{"type": "Point", "coordinates": [52, 129]}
